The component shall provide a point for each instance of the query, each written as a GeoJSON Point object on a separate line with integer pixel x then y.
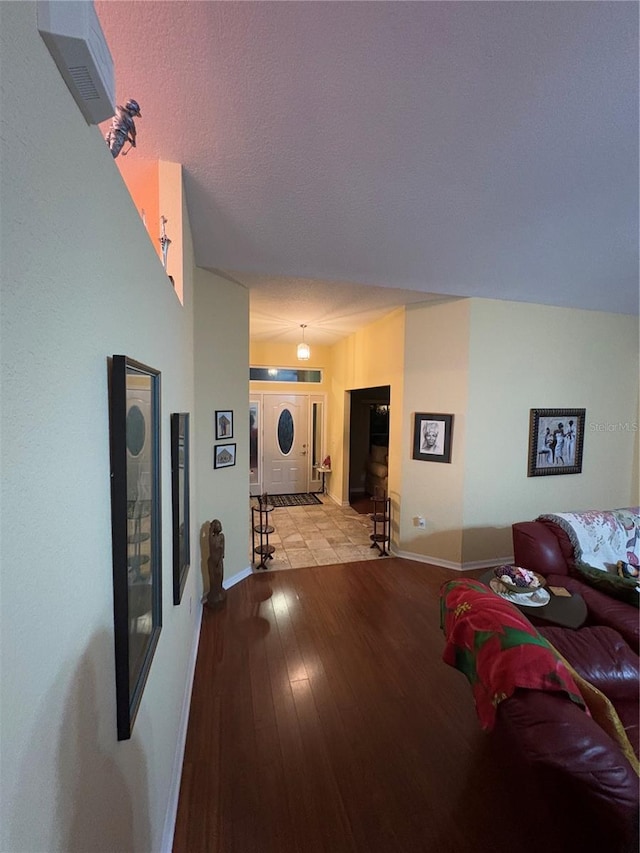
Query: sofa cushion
{"type": "Point", "coordinates": [603, 609]}
{"type": "Point", "coordinates": [601, 656]}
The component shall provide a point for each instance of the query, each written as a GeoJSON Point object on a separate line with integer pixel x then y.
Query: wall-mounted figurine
{"type": "Point", "coordinates": [165, 242]}
{"type": "Point", "coordinates": [217, 594]}
{"type": "Point", "coordinates": [123, 128]}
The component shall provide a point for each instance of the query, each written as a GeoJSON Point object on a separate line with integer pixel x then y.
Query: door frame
{"type": "Point", "coordinates": [256, 479]}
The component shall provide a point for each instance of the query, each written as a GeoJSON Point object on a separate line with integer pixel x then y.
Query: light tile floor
{"type": "Point", "coordinates": [317, 535]}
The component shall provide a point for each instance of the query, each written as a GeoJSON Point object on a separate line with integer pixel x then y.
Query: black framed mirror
{"type": "Point", "coordinates": [180, 502]}
{"type": "Point", "coordinates": [135, 529]}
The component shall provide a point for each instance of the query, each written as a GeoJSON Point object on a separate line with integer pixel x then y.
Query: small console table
{"type": "Point", "coordinates": [323, 470]}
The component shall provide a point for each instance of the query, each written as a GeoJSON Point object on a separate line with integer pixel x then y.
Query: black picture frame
{"type": "Point", "coordinates": [556, 441]}
{"type": "Point", "coordinates": [224, 424]}
{"type": "Point", "coordinates": [134, 396]}
{"type": "Point", "coordinates": [224, 455]}
{"type": "Point", "coordinates": [180, 502]}
{"type": "Point", "coordinates": [432, 437]}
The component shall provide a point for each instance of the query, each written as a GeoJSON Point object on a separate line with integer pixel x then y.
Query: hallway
{"type": "Point", "coordinates": [317, 535]}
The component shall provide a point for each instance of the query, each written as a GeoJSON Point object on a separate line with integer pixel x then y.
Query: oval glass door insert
{"type": "Point", "coordinates": [285, 432]}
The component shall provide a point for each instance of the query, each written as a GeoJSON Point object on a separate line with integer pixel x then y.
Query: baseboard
{"type": "Point", "coordinates": [448, 564]}
{"type": "Point", "coordinates": [176, 776]}
{"type": "Point", "coordinates": [227, 583]}
{"type": "Point", "coordinates": [488, 564]}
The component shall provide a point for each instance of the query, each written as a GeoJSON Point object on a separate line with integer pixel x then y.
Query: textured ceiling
{"type": "Point", "coordinates": [466, 149]}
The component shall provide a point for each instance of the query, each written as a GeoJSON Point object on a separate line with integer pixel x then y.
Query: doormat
{"type": "Point", "coordinates": [304, 499]}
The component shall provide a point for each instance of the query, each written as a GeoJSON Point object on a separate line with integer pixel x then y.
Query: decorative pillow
{"type": "Point", "coordinates": [625, 589]}
{"type": "Point", "coordinates": [379, 454]}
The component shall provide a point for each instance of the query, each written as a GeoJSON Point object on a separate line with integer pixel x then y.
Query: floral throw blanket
{"type": "Point", "coordinates": [600, 538]}
{"type": "Point", "coordinates": [497, 648]}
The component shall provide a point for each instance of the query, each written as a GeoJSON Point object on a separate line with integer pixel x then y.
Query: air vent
{"type": "Point", "coordinates": [84, 82]}
{"type": "Point", "coordinates": [72, 32]}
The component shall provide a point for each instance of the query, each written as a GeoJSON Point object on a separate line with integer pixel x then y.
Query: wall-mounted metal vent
{"type": "Point", "coordinates": [72, 32]}
{"type": "Point", "coordinates": [84, 82]}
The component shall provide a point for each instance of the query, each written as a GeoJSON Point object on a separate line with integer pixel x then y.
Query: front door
{"type": "Point", "coordinates": [286, 444]}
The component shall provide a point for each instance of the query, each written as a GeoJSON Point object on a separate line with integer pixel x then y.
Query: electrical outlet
{"type": "Point", "coordinates": [422, 523]}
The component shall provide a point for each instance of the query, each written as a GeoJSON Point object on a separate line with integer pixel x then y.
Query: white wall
{"type": "Point", "coordinates": [80, 282]}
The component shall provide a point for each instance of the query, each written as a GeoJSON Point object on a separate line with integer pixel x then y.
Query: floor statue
{"type": "Point", "coordinates": [215, 564]}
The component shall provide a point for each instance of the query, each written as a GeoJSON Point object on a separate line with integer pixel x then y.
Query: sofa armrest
{"type": "Point", "coordinates": [569, 753]}
{"type": "Point", "coordinates": [535, 547]}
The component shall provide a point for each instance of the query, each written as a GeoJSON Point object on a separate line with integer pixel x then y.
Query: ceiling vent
{"type": "Point", "coordinates": [72, 32]}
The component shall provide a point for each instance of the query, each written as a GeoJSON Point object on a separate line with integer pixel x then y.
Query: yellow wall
{"type": "Point", "coordinates": [435, 381]}
{"type": "Point", "coordinates": [372, 356]}
{"type": "Point", "coordinates": [266, 354]}
{"type": "Point", "coordinates": [524, 356]}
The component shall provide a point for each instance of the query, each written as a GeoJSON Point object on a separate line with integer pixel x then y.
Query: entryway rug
{"type": "Point", "coordinates": [304, 499]}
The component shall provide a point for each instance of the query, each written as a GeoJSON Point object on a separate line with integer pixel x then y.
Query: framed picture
{"type": "Point", "coordinates": [135, 529]}
{"type": "Point", "coordinates": [224, 425]}
{"type": "Point", "coordinates": [556, 437]}
{"type": "Point", "coordinates": [180, 502]}
{"type": "Point", "coordinates": [224, 455]}
{"type": "Point", "coordinates": [432, 434]}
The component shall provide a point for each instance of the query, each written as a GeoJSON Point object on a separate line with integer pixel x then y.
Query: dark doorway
{"type": "Point", "coordinates": [368, 445]}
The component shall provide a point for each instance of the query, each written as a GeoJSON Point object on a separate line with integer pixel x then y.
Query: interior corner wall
{"type": "Point", "coordinates": [524, 356]}
{"type": "Point", "coordinates": [221, 331]}
{"type": "Point", "coordinates": [436, 361]}
{"type": "Point", "coordinates": [372, 356]}
{"type": "Point", "coordinates": [80, 281]}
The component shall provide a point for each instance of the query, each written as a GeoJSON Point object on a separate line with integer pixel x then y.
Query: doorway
{"type": "Point", "coordinates": [368, 444]}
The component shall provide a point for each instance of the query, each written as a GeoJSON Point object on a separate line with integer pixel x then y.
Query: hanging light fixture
{"type": "Point", "coordinates": [304, 353]}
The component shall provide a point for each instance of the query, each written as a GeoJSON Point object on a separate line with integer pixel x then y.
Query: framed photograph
{"type": "Point", "coordinates": [180, 502]}
{"type": "Point", "coordinates": [224, 425]}
{"type": "Point", "coordinates": [135, 529]}
{"type": "Point", "coordinates": [432, 434]}
{"type": "Point", "coordinates": [556, 437]}
{"type": "Point", "coordinates": [224, 455]}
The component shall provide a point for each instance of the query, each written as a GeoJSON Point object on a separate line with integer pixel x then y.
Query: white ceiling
{"type": "Point", "coordinates": [442, 148]}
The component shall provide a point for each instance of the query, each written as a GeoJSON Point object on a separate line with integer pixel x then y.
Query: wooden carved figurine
{"type": "Point", "coordinates": [217, 594]}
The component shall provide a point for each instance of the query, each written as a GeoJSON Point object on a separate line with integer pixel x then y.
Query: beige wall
{"type": "Point", "coordinates": [372, 356]}
{"type": "Point", "coordinates": [488, 363]}
{"type": "Point", "coordinates": [222, 382]}
{"type": "Point", "coordinates": [436, 380]}
{"type": "Point", "coordinates": [266, 354]}
{"type": "Point", "coordinates": [533, 356]}
{"type": "Point", "coordinates": [80, 282]}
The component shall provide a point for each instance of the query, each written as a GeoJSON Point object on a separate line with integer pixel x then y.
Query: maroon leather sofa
{"type": "Point", "coordinates": [544, 547]}
{"type": "Point", "coordinates": [554, 747]}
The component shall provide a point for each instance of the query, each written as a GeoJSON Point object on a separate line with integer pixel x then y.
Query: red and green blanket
{"type": "Point", "coordinates": [497, 648]}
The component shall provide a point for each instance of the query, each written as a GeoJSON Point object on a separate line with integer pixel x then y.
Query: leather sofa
{"type": "Point", "coordinates": [544, 547]}
{"type": "Point", "coordinates": [563, 751]}
{"type": "Point", "coordinates": [569, 767]}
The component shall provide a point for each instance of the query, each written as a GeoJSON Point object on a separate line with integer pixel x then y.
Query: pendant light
{"type": "Point", "coordinates": [304, 353]}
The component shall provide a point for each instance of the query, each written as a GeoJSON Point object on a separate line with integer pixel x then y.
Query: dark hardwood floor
{"type": "Point", "coordinates": [323, 720]}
